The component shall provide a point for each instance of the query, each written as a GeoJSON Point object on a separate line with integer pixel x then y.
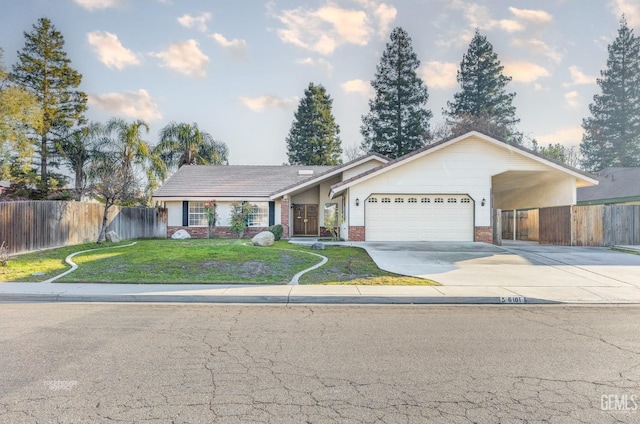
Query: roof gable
{"type": "Point", "coordinates": [614, 183]}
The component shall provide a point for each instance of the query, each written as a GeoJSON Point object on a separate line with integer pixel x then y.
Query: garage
{"type": "Point", "coordinates": [419, 217]}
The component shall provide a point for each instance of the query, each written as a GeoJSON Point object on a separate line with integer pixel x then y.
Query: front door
{"type": "Point", "coordinates": [305, 220]}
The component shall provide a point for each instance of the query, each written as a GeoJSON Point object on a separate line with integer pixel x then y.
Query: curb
{"type": "Point", "coordinates": [279, 299]}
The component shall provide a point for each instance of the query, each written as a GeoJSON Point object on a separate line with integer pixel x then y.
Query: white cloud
{"type": "Point", "coordinates": [566, 136]}
{"type": "Point", "coordinates": [133, 104]}
{"type": "Point", "coordinates": [439, 74]}
{"type": "Point", "coordinates": [97, 4]}
{"type": "Point", "coordinates": [523, 71]}
{"type": "Point", "coordinates": [198, 22]}
{"type": "Point", "coordinates": [572, 99]}
{"type": "Point", "coordinates": [509, 25]}
{"type": "Point", "coordinates": [184, 57]}
{"type": "Point", "coordinates": [237, 45]}
{"type": "Point", "coordinates": [534, 16]}
{"type": "Point", "coordinates": [260, 103]}
{"type": "Point", "coordinates": [324, 29]}
{"type": "Point", "coordinates": [630, 9]}
{"type": "Point", "coordinates": [537, 46]}
{"type": "Point", "coordinates": [319, 63]}
{"type": "Point", "coordinates": [578, 77]}
{"type": "Point", "coordinates": [110, 51]}
{"type": "Point", "coordinates": [358, 86]}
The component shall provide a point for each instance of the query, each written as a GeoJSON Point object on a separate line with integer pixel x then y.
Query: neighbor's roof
{"type": "Point", "coordinates": [615, 183]}
{"type": "Point", "coordinates": [233, 180]}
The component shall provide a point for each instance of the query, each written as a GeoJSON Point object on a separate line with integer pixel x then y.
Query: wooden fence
{"type": "Point", "coordinates": [526, 225]}
{"type": "Point", "coordinates": [34, 225]}
{"type": "Point", "coordinates": [593, 225]}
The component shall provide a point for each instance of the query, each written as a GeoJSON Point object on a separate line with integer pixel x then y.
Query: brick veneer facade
{"type": "Point", "coordinates": [484, 234]}
{"type": "Point", "coordinates": [219, 232]}
{"type": "Point", "coordinates": [356, 233]}
{"type": "Point", "coordinates": [284, 217]}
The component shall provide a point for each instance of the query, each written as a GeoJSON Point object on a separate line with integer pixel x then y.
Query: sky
{"type": "Point", "coordinates": [239, 68]}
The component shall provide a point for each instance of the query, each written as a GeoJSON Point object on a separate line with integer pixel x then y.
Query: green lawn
{"type": "Point", "coordinates": [203, 261]}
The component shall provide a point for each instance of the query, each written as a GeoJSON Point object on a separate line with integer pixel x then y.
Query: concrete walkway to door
{"type": "Point", "coordinates": [561, 273]}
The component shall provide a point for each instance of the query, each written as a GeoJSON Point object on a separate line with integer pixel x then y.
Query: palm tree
{"type": "Point", "coordinates": [135, 154]}
{"type": "Point", "coordinates": [185, 144]}
{"type": "Point", "coordinates": [77, 149]}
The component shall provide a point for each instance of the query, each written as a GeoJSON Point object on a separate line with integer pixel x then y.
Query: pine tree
{"type": "Point", "coordinates": [44, 70]}
{"type": "Point", "coordinates": [483, 99]}
{"type": "Point", "coordinates": [612, 132]}
{"type": "Point", "coordinates": [313, 138]}
{"type": "Point", "coordinates": [398, 120]}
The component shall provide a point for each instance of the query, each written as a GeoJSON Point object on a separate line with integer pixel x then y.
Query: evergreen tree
{"type": "Point", "coordinates": [612, 132]}
{"type": "Point", "coordinates": [44, 70]}
{"type": "Point", "coordinates": [398, 121]}
{"type": "Point", "coordinates": [483, 98]}
{"type": "Point", "coordinates": [313, 138]}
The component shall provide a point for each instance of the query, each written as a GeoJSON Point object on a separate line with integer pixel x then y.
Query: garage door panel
{"type": "Point", "coordinates": [431, 217]}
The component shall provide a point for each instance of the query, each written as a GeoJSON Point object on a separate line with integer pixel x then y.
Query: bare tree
{"type": "Point", "coordinates": [352, 152]}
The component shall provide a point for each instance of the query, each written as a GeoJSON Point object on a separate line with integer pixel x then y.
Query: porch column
{"type": "Point", "coordinates": [284, 216]}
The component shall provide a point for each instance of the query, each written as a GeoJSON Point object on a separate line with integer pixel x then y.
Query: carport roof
{"type": "Point", "coordinates": [586, 177]}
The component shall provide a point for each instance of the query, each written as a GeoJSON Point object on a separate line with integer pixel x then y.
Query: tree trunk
{"type": "Point", "coordinates": [103, 230]}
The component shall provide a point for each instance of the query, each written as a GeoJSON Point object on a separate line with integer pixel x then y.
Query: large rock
{"type": "Point", "coordinates": [265, 238]}
{"type": "Point", "coordinates": [112, 236]}
{"type": "Point", "coordinates": [317, 246]}
{"type": "Point", "coordinates": [181, 235]}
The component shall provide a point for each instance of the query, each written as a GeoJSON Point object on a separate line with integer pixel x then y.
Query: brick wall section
{"type": "Point", "coordinates": [284, 217]}
{"type": "Point", "coordinates": [484, 234]}
{"type": "Point", "coordinates": [219, 232]}
{"type": "Point", "coordinates": [356, 233]}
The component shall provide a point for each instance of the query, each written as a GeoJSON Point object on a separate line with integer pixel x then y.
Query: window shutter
{"type": "Point", "coordinates": [272, 213]}
{"type": "Point", "coordinates": [185, 213]}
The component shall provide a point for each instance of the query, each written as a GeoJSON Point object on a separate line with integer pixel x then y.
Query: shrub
{"type": "Point", "coordinates": [240, 217]}
{"type": "Point", "coordinates": [277, 231]}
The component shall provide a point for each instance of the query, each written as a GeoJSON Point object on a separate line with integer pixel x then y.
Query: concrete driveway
{"type": "Point", "coordinates": [515, 264]}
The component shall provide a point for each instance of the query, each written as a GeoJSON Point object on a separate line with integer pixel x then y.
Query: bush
{"type": "Point", "coordinates": [277, 231]}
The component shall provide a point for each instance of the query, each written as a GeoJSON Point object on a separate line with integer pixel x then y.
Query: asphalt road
{"type": "Point", "coordinates": [204, 363]}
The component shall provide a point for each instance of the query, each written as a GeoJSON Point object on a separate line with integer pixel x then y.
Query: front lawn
{"type": "Point", "coordinates": [203, 261]}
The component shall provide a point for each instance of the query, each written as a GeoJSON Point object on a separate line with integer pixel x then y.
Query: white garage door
{"type": "Point", "coordinates": [415, 217]}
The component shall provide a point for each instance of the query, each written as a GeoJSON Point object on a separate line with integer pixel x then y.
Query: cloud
{"type": "Point", "coordinates": [439, 74]}
{"type": "Point", "coordinates": [566, 136]}
{"type": "Point", "coordinates": [533, 16]}
{"type": "Point", "coordinates": [537, 46]}
{"type": "Point", "coordinates": [630, 9]}
{"type": "Point", "coordinates": [110, 51]}
{"type": "Point", "coordinates": [523, 71]}
{"type": "Point", "coordinates": [236, 46]}
{"type": "Point", "coordinates": [319, 63]}
{"type": "Point", "coordinates": [260, 103]}
{"type": "Point", "coordinates": [198, 22]}
{"type": "Point", "coordinates": [97, 4]}
{"type": "Point", "coordinates": [133, 104]}
{"type": "Point", "coordinates": [572, 99]}
{"type": "Point", "coordinates": [184, 57]}
{"type": "Point", "coordinates": [578, 77]}
{"type": "Point", "coordinates": [324, 29]}
{"type": "Point", "coordinates": [358, 86]}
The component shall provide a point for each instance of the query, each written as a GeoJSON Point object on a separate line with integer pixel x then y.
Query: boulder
{"type": "Point", "coordinates": [265, 238]}
{"type": "Point", "coordinates": [317, 246]}
{"type": "Point", "coordinates": [181, 235]}
{"type": "Point", "coordinates": [112, 236]}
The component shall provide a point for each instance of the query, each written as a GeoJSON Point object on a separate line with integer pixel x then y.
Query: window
{"type": "Point", "coordinates": [259, 215]}
{"type": "Point", "coordinates": [373, 200]}
{"type": "Point", "coordinates": [386, 200]}
{"type": "Point", "coordinates": [465, 200]}
{"type": "Point", "coordinates": [425, 200]}
{"type": "Point", "coordinates": [438, 200]}
{"type": "Point", "coordinates": [452, 200]}
{"type": "Point", "coordinates": [399, 200]}
{"type": "Point", "coordinates": [197, 216]}
{"type": "Point", "coordinates": [412, 200]}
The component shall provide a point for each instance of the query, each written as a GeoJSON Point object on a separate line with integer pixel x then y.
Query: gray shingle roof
{"type": "Point", "coordinates": [233, 180]}
{"type": "Point", "coordinates": [615, 183]}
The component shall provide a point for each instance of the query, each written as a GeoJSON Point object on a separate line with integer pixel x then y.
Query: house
{"type": "Point", "coordinates": [443, 191]}
{"type": "Point", "coordinates": [4, 186]}
{"type": "Point", "coordinates": [616, 186]}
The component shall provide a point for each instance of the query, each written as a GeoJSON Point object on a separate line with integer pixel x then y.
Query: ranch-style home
{"type": "Point", "coordinates": [442, 192]}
